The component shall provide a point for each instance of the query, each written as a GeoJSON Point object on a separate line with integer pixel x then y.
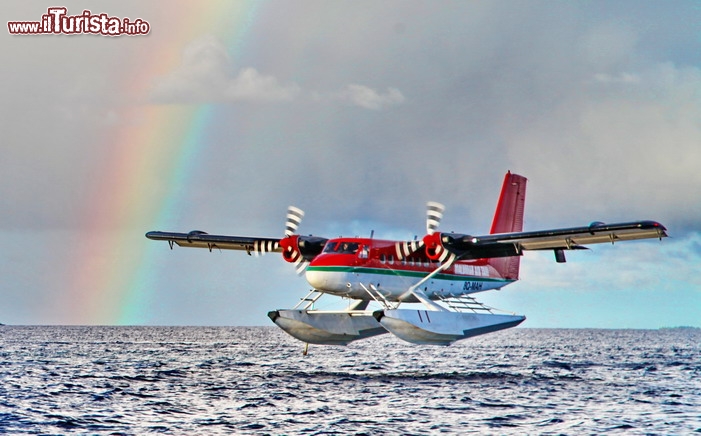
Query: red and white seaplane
{"type": "Point", "coordinates": [441, 271]}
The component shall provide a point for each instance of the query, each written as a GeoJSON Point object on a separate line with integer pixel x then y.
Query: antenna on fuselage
{"type": "Point", "coordinates": [372, 234]}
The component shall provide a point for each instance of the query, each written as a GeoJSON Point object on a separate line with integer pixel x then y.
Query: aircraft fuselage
{"type": "Point", "coordinates": [359, 267]}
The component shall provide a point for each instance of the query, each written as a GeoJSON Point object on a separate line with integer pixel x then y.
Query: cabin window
{"type": "Point", "coordinates": [363, 252]}
{"type": "Point", "coordinates": [383, 258]}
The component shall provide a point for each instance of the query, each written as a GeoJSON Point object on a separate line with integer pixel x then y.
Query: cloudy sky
{"type": "Point", "coordinates": [357, 112]}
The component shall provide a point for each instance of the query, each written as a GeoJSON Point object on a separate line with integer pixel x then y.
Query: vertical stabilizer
{"type": "Point", "coordinates": [508, 218]}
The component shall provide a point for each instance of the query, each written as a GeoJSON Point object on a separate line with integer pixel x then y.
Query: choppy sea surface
{"type": "Point", "coordinates": [243, 380]}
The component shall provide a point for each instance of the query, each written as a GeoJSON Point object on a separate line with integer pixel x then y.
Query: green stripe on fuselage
{"type": "Point", "coordinates": [403, 273]}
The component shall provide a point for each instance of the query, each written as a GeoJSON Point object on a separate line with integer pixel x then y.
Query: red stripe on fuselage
{"type": "Point", "coordinates": [381, 254]}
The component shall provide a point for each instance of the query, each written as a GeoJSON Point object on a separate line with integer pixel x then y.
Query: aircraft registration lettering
{"type": "Point", "coordinates": [472, 286]}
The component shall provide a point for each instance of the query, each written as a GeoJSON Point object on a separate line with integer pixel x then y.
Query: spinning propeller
{"type": "Point", "coordinates": [434, 214]}
{"type": "Point", "coordinates": [295, 248]}
{"type": "Point", "coordinates": [434, 250]}
{"type": "Point", "coordinates": [292, 244]}
{"type": "Point", "coordinates": [432, 240]}
{"type": "Point", "coordinates": [294, 218]}
{"type": "Point", "coordinates": [299, 249]}
{"type": "Point", "coordinates": [434, 243]}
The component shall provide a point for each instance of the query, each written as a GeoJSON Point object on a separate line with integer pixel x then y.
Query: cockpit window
{"type": "Point", "coordinates": [330, 247]}
{"type": "Point", "coordinates": [341, 247]}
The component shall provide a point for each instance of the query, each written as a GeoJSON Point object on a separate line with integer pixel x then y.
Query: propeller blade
{"type": "Point", "coordinates": [299, 249]}
{"type": "Point", "coordinates": [262, 247]}
{"type": "Point", "coordinates": [442, 253]}
{"type": "Point", "coordinates": [297, 259]}
{"type": "Point", "coordinates": [452, 257]}
{"type": "Point", "coordinates": [294, 217]}
{"type": "Point", "coordinates": [407, 248]}
{"type": "Point", "coordinates": [301, 266]}
{"type": "Point", "coordinates": [434, 214]}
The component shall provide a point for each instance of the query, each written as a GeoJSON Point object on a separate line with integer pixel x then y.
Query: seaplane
{"type": "Point", "coordinates": [423, 288]}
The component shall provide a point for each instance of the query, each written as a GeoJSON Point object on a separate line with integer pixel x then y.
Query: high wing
{"type": "Point", "coordinates": [294, 248]}
{"type": "Point", "coordinates": [199, 239]}
{"type": "Point", "coordinates": [513, 244]}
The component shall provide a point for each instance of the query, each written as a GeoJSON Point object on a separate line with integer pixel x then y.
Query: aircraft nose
{"type": "Point", "coordinates": [317, 279]}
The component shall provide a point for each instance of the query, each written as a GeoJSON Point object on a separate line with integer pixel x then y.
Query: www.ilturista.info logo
{"type": "Point", "coordinates": [57, 21]}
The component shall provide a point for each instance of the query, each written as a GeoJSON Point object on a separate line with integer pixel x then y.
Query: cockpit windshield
{"type": "Point", "coordinates": [341, 247]}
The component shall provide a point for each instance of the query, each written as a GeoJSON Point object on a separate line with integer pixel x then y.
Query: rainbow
{"type": "Point", "coordinates": [109, 283]}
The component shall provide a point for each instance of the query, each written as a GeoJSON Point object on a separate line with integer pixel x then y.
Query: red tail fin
{"type": "Point", "coordinates": [509, 218]}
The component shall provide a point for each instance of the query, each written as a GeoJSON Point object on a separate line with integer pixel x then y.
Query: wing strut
{"type": "Point", "coordinates": [416, 292]}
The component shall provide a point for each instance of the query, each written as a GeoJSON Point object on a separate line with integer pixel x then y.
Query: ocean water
{"type": "Point", "coordinates": [209, 381]}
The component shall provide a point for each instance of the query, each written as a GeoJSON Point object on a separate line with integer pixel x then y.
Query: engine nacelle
{"type": "Point", "coordinates": [296, 247]}
{"type": "Point", "coordinates": [438, 246]}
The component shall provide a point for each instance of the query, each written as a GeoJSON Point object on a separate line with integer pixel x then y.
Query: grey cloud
{"type": "Point", "coordinates": [249, 84]}
{"type": "Point", "coordinates": [368, 98]}
{"type": "Point", "coordinates": [206, 74]}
